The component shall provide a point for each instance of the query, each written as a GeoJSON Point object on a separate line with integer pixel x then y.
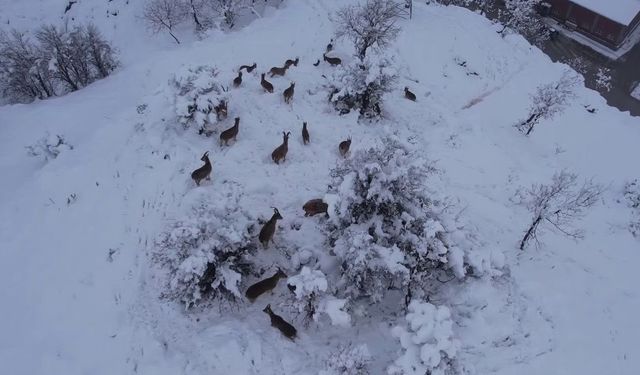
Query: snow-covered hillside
{"type": "Point", "coordinates": [78, 233]}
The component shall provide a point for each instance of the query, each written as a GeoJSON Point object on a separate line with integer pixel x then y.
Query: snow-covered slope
{"type": "Point", "coordinates": [78, 291]}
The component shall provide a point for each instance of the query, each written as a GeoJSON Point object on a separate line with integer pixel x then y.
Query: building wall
{"type": "Point", "coordinates": [595, 26]}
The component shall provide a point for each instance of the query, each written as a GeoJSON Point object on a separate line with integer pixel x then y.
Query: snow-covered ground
{"type": "Point", "coordinates": [78, 289]}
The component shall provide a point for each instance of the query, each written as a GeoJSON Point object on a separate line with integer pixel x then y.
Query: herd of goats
{"type": "Point", "coordinates": [311, 208]}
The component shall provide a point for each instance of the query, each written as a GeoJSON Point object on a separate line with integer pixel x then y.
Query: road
{"type": "Point", "coordinates": [624, 72]}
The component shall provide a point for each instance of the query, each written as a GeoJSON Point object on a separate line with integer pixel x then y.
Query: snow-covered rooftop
{"type": "Point", "coordinates": [621, 11]}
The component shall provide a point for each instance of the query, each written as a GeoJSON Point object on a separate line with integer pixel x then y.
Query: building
{"type": "Point", "coordinates": [608, 22]}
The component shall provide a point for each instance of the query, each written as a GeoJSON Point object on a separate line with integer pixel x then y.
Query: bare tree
{"type": "Point", "coordinates": [101, 55]}
{"type": "Point", "coordinates": [24, 69]}
{"type": "Point", "coordinates": [548, 101]}
{"type": "Point", "coordinates": [369, 24]}
{"type": "Point", "coordinates": [165, 14]}
{"type": "Point", "coordinates": [558, 205]}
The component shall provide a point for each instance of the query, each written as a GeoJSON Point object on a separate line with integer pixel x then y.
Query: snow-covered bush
{"type": "Point", "coordinates": [428, 343]}
{"type": "Point", "coordinates": [59, 62]}
{"type": "Point", "coordinates": [49, 147]}
{"type": "Point", "coordinates": [522, 17]}
{"type": "Point", "coordinates": [197, 94]}
{"type": "Point", "coordinates": [632, 197]}
{"type": "Point", "coordinates": [387, 229]}
{"type": "Point", "coordinates": [203, 257]}
{"type": "Point", "coordinates": [348, 360]}
{"type": "Point", "coordinates": [307, 287]}
{"type": "Point", "coordinates": [361, 85]}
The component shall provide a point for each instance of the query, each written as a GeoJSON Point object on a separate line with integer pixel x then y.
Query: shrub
{"type": "Point", "coordinates": [348, 359]}
{"type": "Point", "coordinates": [361, 85]}
{"type": "Point", "coordinates": [197, 92]}
{"type": "Point", "coordinates": [632, 197]}
{"type": "Point", "coordinates": [428, 344]}
{"type": "Point", "coordinates": [203, 257]}
{"type": "Point", "coordinates": [49, 147]}
{"type": "Point", "coordinates": [387, 230]}
{"type": "Point", "coordinates": [307, 287]}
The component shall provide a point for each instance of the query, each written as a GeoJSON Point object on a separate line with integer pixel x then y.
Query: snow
{"type": "Point", "coordinates": [621, 11]}
{"type": "Point", "coordinates": [636, 92]}
{"type": "Point", "coordinates": [80, 292]}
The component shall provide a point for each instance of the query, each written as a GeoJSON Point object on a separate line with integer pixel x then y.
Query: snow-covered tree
{"type": "Point", "coordinates": [165, 15]}
{"type": "Point", "coordinates": [557, 205]}
{"type": "Point", "coordinates": [428, 343]}
{"type": "Point", "coordinates": [361, 85]}
{"type": "Point", "coordinates": [370, 24]}
{"type": "Point", "coordinates": [348, 359]}
{"type": "Point", "coordinates": [24, 69]}
{"type": "Point", "coordinates": [197, 94]}
{"type": "Point", "coordinates": [203, 257]}
{"type": "Point", "coordinates": [521, 16]}
{"type": "Point", "coordinates": [548, 101]}
{"type": "Point", "coordinates": [386, 229]}
{"type": "Point", "coordinates": [308, 286]}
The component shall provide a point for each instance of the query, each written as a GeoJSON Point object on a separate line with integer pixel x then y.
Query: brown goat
{"type": "Point", "coordinates": [409, 95]}
{"type": "Point", "coordinates": [266, 85]}
{"type": "Point", "coordinates": [203, 172]}
{"type": "Point", "coordinates": [263, 286]}
{"type": "Point", "coordinates": [285, 328]}
{"type": "Point", "coordinates": [305, 133]}
{"type": "Point", "coordinates": [276, 71]}
{"type": "Point", "coordinates": [280, 153]}
{"type": "Point", "coordinates": [238, 80]}
{"type": "Point", "coordinates": [314, 207]}
{"type": "Point", "coordinates": [332, 60]}
{"type": "Point", "coordinates": [344, 147]}
{"type": "Point", "coordinates": [248, 68]}
{"type": "Point", "coordinates": [288, 92]}
{"type": "Point", "coordinates": [290, 62]}
{"type": "Point", "coordinates": [221, 110]}
{"type": "Point", "coordinates": [230, 133]}
{"type": "Point", "coordinates": [269, 228]}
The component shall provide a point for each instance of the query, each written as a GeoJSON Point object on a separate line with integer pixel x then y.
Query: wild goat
{"type": "Point", "coordinates": [305, 133]}
{"type": "Point", "coordinates": [332, 60]}
{"type": "Point", "coordinates": [263, 286]}
{"type": "Point", "coordinates": [344, 147]}
{"type": "Point", "coordinates": [203, 172]}
{"type": "Point", "coordinates": [314, 207]}
{"type": "Point", "coordinates": [329, 46]}
{"type": "Point", "coordinates": [230, 133]}
{"type": "Point", "coordinates": [248, 68]}
{"type": "Point", "coordinates": [287, 329]}
{"type": "Point", "coordinates": [266, 85]}
{"type": "Point", "coordinates": [276, 71]}
{"type": "Point", "coordinates": [409, 95]}
{"type": "Point", "coordinates": [238, 80]}
{"type": "Point", "coordinates": [290, 62]}
{"type": "Point", "coordinates": [280, 153]}
{"type": "Point", "coordinates": [221, 110]}
{"type": "Point", "coordinates": [269, 228]}
{"type": "Point", "coordinates": [288, 92]}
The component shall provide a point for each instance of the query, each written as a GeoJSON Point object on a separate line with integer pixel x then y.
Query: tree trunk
{"type": "Point", "coordinates": [174, 37]}
{"type": "Point", "coordinates": [530, 232]}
